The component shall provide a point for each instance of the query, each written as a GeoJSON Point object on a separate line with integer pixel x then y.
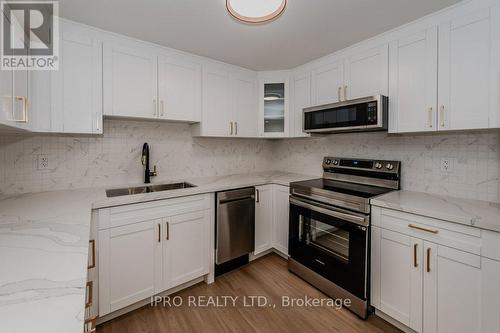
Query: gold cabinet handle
{"type": "Point", "coordinates": [231, 123]}
{"type": "Point", "coordinates": [345, 93]}
{"type": "Point", "coordinates": [415, 263]}
{"type": "Point", "coordinates": [92, 251]}
{"type": "Point", "coordinates": [159, 232]}
{"type": "Point", "coordinates": [235, 128]}
{"type": "Point", "coordinates": [25, 104]}
{"type": "Point", "coordinates": [90, 291]}
{"type": "Point", "coordinates": [422, 229]}
{"type": "Point", "coordinates": [154, 108]}
{"type": "Point", "coordinates": [441, 115]}
{"type": "Point", "coordinates": [428, 260]}
{"type": "Point", "coordinates": [162, 107]}
{"type": "Point", "coordinates": [430, 116]}
{"type": "Point", "coordinates": [339, 92]}
{"type": "Point", "coordinates": [168, 231]}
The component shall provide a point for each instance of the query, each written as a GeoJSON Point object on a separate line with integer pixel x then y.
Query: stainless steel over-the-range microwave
{"type": "Point", "coordinates": [356, 115]}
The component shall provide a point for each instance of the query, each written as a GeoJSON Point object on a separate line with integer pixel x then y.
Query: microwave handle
{"type": "Point", "coordinates": [344, 216]}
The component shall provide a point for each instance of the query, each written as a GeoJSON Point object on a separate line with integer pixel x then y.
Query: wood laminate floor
{"type": "Point", "coordinates": [268, 277]}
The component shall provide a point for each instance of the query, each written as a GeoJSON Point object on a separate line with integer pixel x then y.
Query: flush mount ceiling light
{"type": "Point", "coordinates": [255, 11]}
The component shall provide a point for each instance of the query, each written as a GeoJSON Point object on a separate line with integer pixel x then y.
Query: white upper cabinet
{"type": "Point", "coordinates": [328, 83]}
{"type": "Point", "coordinates": [14, 87]}
{"type": "Point", "coordinates": [179, 89]}
{"type": "Point", "coordinates": [244, 107]}
{"type": "Point", "coordinates": [217, 100]}
{"type": "Point", "coordinates": [367, 73]}
{"type": "Point", "coordinates": [274, 104]}
{"type": "Point", "coordinates": [301, 100]}
{"type": "Point", "coordinates": [468, 80]}
{"type": "Point", "coordinates": [413, 82]}
{"type": "Point", "coordinates": [130, 80]}
{"type": "Point", "coordinates": [77, 85]}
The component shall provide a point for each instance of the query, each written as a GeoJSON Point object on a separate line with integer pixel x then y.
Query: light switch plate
{"type": "Point", "coordinates": [446, 164]}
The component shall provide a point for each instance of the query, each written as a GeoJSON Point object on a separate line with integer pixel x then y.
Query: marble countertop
{"type": "Point", "coordinates": [206, 185]}
{"type": "Point", "coordinates": [480, 214]}
{"type": "Point", "coordinates": [44, 248]}
{"type": "Point", "coordinates": [43, 258]}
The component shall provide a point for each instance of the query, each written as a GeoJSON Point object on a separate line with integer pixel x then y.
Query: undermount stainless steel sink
{"type": "Point", "coordinates": [118, 192]}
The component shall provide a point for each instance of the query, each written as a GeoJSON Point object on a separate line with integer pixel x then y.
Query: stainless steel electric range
{"type": "Point", "coordinates": [329, 231]}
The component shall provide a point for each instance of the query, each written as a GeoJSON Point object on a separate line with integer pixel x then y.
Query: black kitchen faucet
{"type": "Point", "coordinates": [145, 161]}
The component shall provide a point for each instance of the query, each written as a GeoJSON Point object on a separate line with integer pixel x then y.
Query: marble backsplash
{"type": "Point", "coordinates": [114, 158]}
{"type": "Point", "coordinates": [474, 159]}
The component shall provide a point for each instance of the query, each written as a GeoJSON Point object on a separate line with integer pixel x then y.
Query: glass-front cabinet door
{"type": "Point", "coordinates": [274, 101]}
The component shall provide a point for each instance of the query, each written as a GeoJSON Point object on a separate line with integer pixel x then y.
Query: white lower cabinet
{"type": "Point", "coordinates": [185, 251]}
{"type": "Point", "coordinates": [147, 248]}
{"type": "Point", "coordinates": [428, 286]}
{"type": "Point", "coordinates": [263, 218]}
{"type": "Point", "coordinates": [271, 218]}
{"type": "Point", "coordinates": [281, 207]}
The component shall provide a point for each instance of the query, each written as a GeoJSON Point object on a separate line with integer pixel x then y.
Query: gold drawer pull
{"type": "Point", "coordinates": [423, 229]}
{"type": "Point", "coordinates": [92, 244]}
{"type": "Point", "coordinates": [90, 292]}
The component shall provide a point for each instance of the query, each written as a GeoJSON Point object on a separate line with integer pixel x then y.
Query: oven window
{"type": "Point", "coordinates": [326, 237]}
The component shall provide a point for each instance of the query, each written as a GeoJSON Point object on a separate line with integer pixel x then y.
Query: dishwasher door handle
{"type": "Point", "coordinates": [242, 198]}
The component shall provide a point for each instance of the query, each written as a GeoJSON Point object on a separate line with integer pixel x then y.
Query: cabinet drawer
{"type": "Point", "coordinates": [124, 215]}
{"type": "Point", "coordinates": [440, 232]}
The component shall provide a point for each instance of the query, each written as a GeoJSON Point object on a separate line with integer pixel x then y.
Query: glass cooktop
{"type": "Point", "coordinates": [359, 190]}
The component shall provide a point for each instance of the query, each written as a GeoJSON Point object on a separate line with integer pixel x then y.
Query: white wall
{"type": "Point", "coordinates": [475, 159]}
{"type": "Point", "coordinates": [114, 159]}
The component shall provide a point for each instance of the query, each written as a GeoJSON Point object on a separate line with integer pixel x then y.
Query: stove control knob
{"type": "Point", "coordinates": [328, 162]}
{"type": "Point", "coordinates": [378, 165]}
{"type": "Point", "coordinates": [389, 166]}
{"type": "Point", "coordinates": [335, 162]}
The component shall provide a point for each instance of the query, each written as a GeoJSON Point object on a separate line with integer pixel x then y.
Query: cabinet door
{"type": "Point", "coordinates": [216, 102]}
{"type": "Point", "coordinates": [281, 207]}
{"type": "Point", "coordinates": [367, 73]}
{"type": "Point", "coordinates": [179, 91]}
{"type": "Point", "coordinates": [77, 85]}
{"type": "Point", "coordinates": [400, 282]}
{"type": "Point", "coordinates": [186, 250]}
{"type": "Point", "coordinates": [130, 81]}
{"type": "Point", "coordinates": [245, 112]}
{"type": "Point", "coordinates": [129, 264]}
{"type": "Point", "coordinates": [274, 106]}
{"type": "Point", "coordinates": [466, 79]}
{"type": "Point", "coordinates": [413, 82]}
{"type": "Point", "coordinates": [452, 290]}
{"type": "Point", "coordinates": [301, 100]}
{"type": "Point", "coordinates": [490, 296]}
{"type": "Point", "coordinates": [263, 218]}
{"type": "Point", "coordinates": [328, 83]}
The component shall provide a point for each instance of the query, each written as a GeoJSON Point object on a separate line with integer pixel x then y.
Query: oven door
{"type": "Point", "coordinates": [332, 242]}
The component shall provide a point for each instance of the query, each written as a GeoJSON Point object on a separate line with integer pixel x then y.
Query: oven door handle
{"type": "Point", "coordinates": [330, 212]}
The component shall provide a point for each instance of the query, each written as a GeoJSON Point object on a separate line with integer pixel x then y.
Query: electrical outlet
{"type": "Point", "coordinates": [42, 162]}
{"type": "Point", "coordinates": [446, 164]}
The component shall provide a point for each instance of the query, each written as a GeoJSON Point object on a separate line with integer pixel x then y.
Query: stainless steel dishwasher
{"type": "Point", "coordinates": [235, 234]}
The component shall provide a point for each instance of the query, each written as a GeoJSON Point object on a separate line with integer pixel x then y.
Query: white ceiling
{"type": "Point", "coordinates": [308, 29]}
